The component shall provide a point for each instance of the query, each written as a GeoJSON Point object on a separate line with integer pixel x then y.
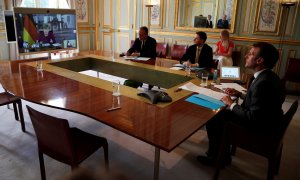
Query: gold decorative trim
{"type": "Point", "coordinates": [119, 14]}
{"type": "Point", "coordinates": [292, 53]}
{"type": "Point", "coordinates": [235, 38]}
{"type": "Point", "coordinates": [249, 19]}
{"type": "Point", "coordinates": [110, 15]}
{"type": "Point", "coordinates": [107, 34]}
{"type": "Point", "coordinates": [97, 25]}
{"type": "Point", "coordinates": [88, 14]}
{"type": "Point", "coordinates": [278, 65]}
{"type": "Point", "coordinates": [257, 17]}
{"type": "Point", "coordinates": [88, 34]}
{"type": "Point", "coordinates": [294, 21]}
{"type": "Point", "coordinates": [126, 35]}
{"type": "Point", "coordinates": [87, 28]}
{"type": "Point", "coordinates": [231, 30]}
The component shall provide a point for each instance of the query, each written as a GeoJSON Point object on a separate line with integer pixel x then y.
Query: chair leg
{"type": "Point", "coordinates": [42, 166]}
{"type": "Point", "coordinates": [21, 116]}
{"type": "Point", "coordinates": [271, 168]}
{"type": "Point", "coordinates": [233, 150]}
{"type": "Point", "coordinates": [278, 159]}
{"type": "Point", "coordinates": [105, 147]}
{"type": "Point", "coordinates": [16, 111]}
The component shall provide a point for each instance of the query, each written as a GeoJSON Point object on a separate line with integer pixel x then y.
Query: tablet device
{"type": "Point", "coordinates": [230, 72]}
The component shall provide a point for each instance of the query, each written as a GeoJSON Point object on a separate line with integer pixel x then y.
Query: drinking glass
{"type": "Point", "coordinates": [39, 66]}
{"type": "Point", "coordinates": [188, 70]}
{"type": "Point", "coordinates": [204, 79]}
{"type": "Point", "coordinates": [116, 87]}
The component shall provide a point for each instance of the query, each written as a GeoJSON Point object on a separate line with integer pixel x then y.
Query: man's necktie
{"type": "Point", "coordinates": [197, 55]}
{"type": "Point", "coordinates": [142, 44]}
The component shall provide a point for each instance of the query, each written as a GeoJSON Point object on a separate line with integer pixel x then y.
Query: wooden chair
{"type": "Point", "coordinates": [177, 51]}
{"type": "Point", "coordinates": [6, 99]}
{"type": "Point", "coordinates": [62, 143]}
{"type": "Point", "coordinates": [268, 146]}
{"type": "Point", "coordinates": [131, 43]}
{"type": "Point", "coordinates": [292, 73]}
{"type": "Point", "coordinates": [161, 50]}
{"type": "Point", "coordinates": [236, 58]}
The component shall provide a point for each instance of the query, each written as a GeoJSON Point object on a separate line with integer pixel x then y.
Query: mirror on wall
{"type": "Point", "coordinates": [206, 15]}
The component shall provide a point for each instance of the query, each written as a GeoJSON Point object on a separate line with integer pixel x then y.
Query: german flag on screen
{"type": "Point", "coordinates": [30, 33]}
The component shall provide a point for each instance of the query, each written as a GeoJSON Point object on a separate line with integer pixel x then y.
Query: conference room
{"type": "Point", "coordinates": [119, 90]}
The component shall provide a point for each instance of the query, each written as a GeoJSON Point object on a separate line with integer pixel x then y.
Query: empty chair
{"type": "Point", "coordinates": [268, 146]}
{"type": "Point", "coordinates": [68, 145]}
{"type": "Point", "coordinates": [292, 73]}
{"type": "Point", "coordinates": [177, 51]}
{"type": "Point", "coordinates": [161, 50]}
{"type": "Point", "coordinates": [7, 98]}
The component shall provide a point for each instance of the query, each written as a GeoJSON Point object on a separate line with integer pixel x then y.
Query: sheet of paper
{"type": "Point", "coordinates": [208, 92]}
{"type": "Point", "coordinates": [176, 68]}
{"type": "Point", "coordinates": [231, 85]}
{"type": "Point", "coordinates": [130, 57]}
{"type": "Point", "coordinates": [178, 65]}
{"type": "Point", "coordinates": [142, 58]}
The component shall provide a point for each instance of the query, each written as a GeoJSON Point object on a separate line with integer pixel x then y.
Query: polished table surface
{"type": "Point", "coordinates": [164, 125]}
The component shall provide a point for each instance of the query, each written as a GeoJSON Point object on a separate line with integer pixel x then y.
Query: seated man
{"type": "Point", "coordinates": [209, 22]}
{"type": "Point", "coordinates": [261, 109]}
{"type": "Point", "coordinates": [199, 54]}
{"type": "Point", "coordinates": [223, 23]}
{"type": "Point", "coordinates": [144, 46]}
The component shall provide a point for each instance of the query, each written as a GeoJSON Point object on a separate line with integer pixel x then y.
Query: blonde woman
{"type": "Point", "coordinates": [224, 50]}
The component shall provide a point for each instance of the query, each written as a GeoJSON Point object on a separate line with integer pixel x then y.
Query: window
{"type": "Point", "coordinates": [62, 4]}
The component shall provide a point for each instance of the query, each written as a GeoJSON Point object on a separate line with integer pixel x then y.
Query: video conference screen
{"type": "Point", "coordinates": [45, 30]}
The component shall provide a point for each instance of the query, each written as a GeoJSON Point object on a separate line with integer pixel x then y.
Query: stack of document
{"type": "Point", "coordinates": [136, 58]}
{"type": "Point", "coordinates": [205, 101]}
{"type": "Point", "coordinates": [231, 85]}
{"type": "Point", "coordinates": [206, 97]}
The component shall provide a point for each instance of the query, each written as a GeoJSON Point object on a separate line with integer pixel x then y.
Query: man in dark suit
{"type": "Point", "coordinates": [144, 46]}
{"type": "Point", "coordinates": [223, 23]}
{"type": "Point", "coordinates": [209, 22]}
{"type": "Point", "coordinates": [199, 54]}
{"type": "Point", "coordinates": [261, 109]}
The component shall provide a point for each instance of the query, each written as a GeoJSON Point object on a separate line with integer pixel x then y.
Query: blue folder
{"type": "Point", "coordinates": [205, 101]}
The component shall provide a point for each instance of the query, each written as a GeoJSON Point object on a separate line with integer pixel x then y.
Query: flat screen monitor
{"type": "Point", "coordinates": [9, 26]}
{"type": "Point", "coordinates": [200, 21]}
{"type": "Point", "coordinates": [41, 30]}
{"type": "Point", "coordinates": [230, 72]}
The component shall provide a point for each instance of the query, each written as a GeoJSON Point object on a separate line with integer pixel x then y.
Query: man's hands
{"type": "Point", "coordinates": [133, 54]}
{"type": "Point", "coordinates": [189, 64]}
{"type": "Point", "coordinates": [227, 100]}
{"type": "Point", "coordinates": [231, 92]}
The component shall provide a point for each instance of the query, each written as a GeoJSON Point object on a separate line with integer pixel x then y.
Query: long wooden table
{"type": "Point", "coordinates": [165, 126]}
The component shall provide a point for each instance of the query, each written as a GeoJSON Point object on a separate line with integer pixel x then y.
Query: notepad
{"type": "Point", "coordinates": [205, 101]}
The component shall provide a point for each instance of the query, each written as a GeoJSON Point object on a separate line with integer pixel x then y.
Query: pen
{"type": "Point", "coordinates": [177, 90]}
{"type": "Point", "coordinates": [112, 109]}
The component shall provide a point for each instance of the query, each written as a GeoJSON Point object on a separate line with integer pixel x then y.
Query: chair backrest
{"type": "Point", "coordinates": [177, 51]}
{"type": "Point", "coordinates": [236, 58]}
{"type": "Point", "coordinates": [288, 116]}
{"type": "Point", "coordinates": [131, 43]}
{"type": "Point", "coordinates": [161, 50]}
{"type": "Point", "coordinates": [292, 72]}
{"type": "Point", "coordinates": [53, 135]}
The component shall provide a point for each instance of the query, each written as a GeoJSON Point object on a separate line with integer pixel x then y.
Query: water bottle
{"type": "Point", "coordinates": [215, 77]}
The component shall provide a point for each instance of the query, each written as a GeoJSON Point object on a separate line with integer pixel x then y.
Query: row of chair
{"type": "Point", "coordinates": [55, 138]}
{"type": "Point", "coordinates": [177, 51]}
